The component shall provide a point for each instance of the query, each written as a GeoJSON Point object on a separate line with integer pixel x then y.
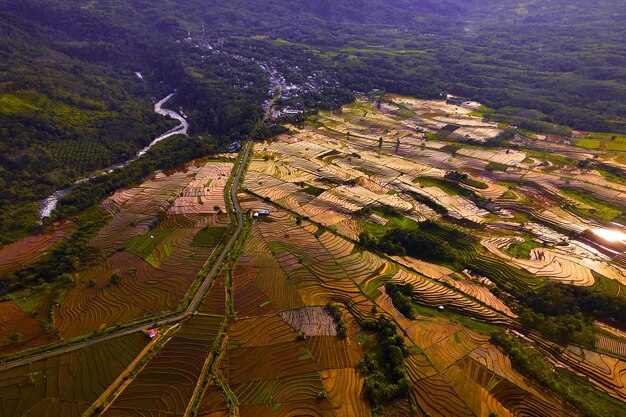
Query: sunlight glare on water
{"type": "Point", "coordinates": [610, 235]}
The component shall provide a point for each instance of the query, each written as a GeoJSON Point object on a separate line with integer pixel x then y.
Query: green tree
{"type": "Point", "coordinates": [115, 278]}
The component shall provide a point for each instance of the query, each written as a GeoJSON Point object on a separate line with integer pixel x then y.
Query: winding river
{"type": "Point", "coordinates": [47, 206]}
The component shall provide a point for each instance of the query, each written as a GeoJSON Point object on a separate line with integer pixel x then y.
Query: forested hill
{"type": "Point", "coordinates": [70, 102]}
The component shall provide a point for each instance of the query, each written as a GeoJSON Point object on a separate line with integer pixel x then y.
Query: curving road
{"type": "Point", "coordinates": [195, 302]}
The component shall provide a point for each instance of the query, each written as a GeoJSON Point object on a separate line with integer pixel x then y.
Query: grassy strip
{"type": "Point", "coordinates": [143, 245]}
{"type": "Point", "coordinates": [558, 161]}
{"type": "Point", "coordinates": [452, 187]}
{"type": "Point", "coordinates": [496, 166]}
{"type": "Point", "coordinates": [522, 250]}
{"type": "Point", "coordinates": [313, 190]}
{"type": "Point", "coordinates": [448, 187]}
{"type": "Point", "coordinates": [456, 317]}
{"type": "Point", "coordinates": [395, 221]}
{"type": "Point", "coordinates": [607, 286]}
{"type": "Point", "coordinates": [599, 210]}
{"type": "Point", "coordinates": [208, 237]}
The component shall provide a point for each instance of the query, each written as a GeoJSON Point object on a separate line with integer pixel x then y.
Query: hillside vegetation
{"type": "Point", "coordinates": [71, 103]}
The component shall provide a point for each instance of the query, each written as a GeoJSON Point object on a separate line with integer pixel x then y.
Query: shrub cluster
{"type": "Point", "coordinates": [401, 297]}
{"type": "Point", "coordinates": [385, 372]}
{"type": "Point", "coordinates": [416, 243]}
{"type": "Point", "coordinates": [342, 330]}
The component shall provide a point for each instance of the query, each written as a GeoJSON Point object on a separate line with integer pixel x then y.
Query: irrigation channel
{"type": "Point", "coordinates": [47, 206]}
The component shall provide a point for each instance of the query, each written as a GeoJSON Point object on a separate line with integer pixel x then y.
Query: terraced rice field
{"type": "Point", "coordinates": [611, 344]}
{"type": "Point", "coordinates": [461, 373]}
{"type": "Point", "coordinates": [299, 408]}
{"type": "Point", "coordinates": [466, 285]}
{"type": "Point", "coordinates": [271, 371]}
{"type": "Point", "coordinates": [142, 290]}
{"type": "Point", "coordinates": [608, 372]}
{"type": "Point", "coordinates": [322, 187]}
{"type": "Point", "coordinates": [280, 330]}
{"type": "Point", "coordinates": [280, 355]}
{"type": "Point", "coordinates": [166, 384]}
{"type": "Point", "coordinates": [556, 265]}
{"type": "Point", "coordinates": [205, 193]}
{"type": "Point", "coordinates": [212, 403]}
{"type": "Point", "coordinates": [313, 266]}
{"type": "Point", "coordinates": [65, 385]}
{"type": "Point", "coordinates": [13, 319]}
{"type": "Point", "coordinates": [345, 391]}
{"type": "Point", "coordinates": [333, 353]}
{"type": "Point", "coordinates": [25, 252]}
{"type": "Point", "coordinates": [434, 294]}
{"type": "Point", "coordinates": [157, 256]}
{"type": "Point", "coordinates": [267, 362]}
{"type": "Point", "coordinates": [260, 331]}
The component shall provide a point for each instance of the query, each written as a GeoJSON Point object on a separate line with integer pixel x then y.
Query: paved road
{"type": "Point", "coordinates": [195, 302]}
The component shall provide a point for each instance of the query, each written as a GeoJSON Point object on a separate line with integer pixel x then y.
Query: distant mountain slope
{"type": "Point", "coordinates": [63, 111]}
{"type": "Point", "coordinates": [70, 102]}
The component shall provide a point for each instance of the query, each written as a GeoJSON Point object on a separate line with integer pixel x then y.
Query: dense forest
{"type": "Point", "coordinates": [70, 102]}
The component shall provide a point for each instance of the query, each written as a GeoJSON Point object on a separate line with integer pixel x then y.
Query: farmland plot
{"type": "Point", "coordinates": [205, 192]}
{"type": "Point", "coordinates": [267, 362]}
{"type": "Point", "coordinates": [25, 252]}
{"type": "Point", "coordinates": [607, 372]}
{"type": "Point", "coordinates": [303, 285]}
{"type": "Point", "coordinates": [212, 403]}
{"type": "Point", "coordinates": [435, 294]}
{"type": "Point", "coordinates": [260, 331]}
{"type": "Point", "coordinates": [313, 321]}
{"type": "Point", "coordinates": [65, 385]}
{"type": "Point", "coordinates": [545, 262]}
{"type": "Point", "coordinates": [143, 288]}
{"type": "Point", "coordinates": [451, 369]}
{"type": "Point", "coordinates": [157, 249]}
{"type": "Point", "coordinates": [345, 391]}
{"type": "Point", "coordinates": [610, 344]}
{"type": "Point", "coordinates": [13, 319]}
{"type": "Point", "coordinates": [165, 385]}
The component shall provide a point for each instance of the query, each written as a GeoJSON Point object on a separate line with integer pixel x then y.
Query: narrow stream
{"type": "Point", "coordinates": [47, 206]}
